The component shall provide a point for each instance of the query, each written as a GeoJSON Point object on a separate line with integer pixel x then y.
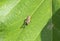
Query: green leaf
{"type": "Point", "coordinates": [55, 5]}
{"type": "Point", "coordinates": [56, 21]}
{"type": "Point", "coordinates": [14, 12]}
{"type": "Point", "coordinates": [56, 29]}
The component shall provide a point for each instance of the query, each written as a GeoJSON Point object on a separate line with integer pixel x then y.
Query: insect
{"type": "Point", "coordinates": [27, 20]}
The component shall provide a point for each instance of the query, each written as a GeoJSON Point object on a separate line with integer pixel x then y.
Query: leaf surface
{"type": "Point", "coordinates": [13, 15]}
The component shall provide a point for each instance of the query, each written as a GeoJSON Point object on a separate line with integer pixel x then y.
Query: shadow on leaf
{"type": "Point", "coordinates": [46, 34]}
